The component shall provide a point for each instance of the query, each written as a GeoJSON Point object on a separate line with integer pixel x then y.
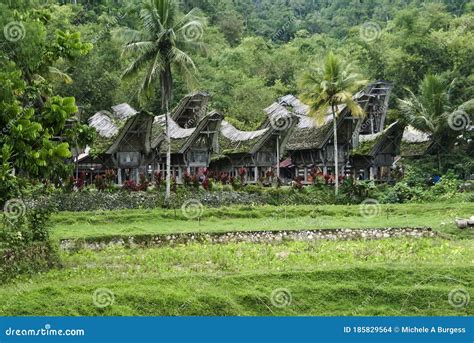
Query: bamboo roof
{"type": "Point", "coordinates": [309, 133]}
{"type": "Point", "coordinates": [175, 131]}
{"type": "Point", "coordinates": [123, 111]}
{"type": "Point", "coordinates": [103, 124]}
{"type": "Point", "coordinates": [412, 135]}
{"type": "Point", "coordinates": [414, 142]}
{"type": "Point", "coordinates": [369, 144]}
{"type": "Point", "coordinates": [230, 132]}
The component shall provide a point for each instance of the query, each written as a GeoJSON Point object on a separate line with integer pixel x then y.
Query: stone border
{"type": "Point", "coordinates": [244, 236]}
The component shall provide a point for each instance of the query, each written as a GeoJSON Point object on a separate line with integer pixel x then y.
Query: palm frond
{"type": "Point", "coordinates": [131, 35]}
{"type": "Point", "coordinates": [141, 47]}
{"type": "Point", "coordinates": [138, 64]}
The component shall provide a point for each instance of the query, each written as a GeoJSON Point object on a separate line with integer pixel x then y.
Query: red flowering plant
{"type": "Point", "coordinates": [110, 177]}
{"type": "Point", "coordinates": [143, 186]}
{"type": "Point", "coordinates": [100, 182]}
{"type": "Point", "coordinates": [158, 178]}
{"type": "Point", "coordinates": [130, 185]}
{"type": "Point", "coordinates": [242, 173]}
{"type": "Point", "coordinates": [211, 175]}
{"type": "Point", "coordinates": [224, 178]}
{"type": "Point", "coordinates": [79, 182]}
{"type": "Point", "coordinates": [206, 184]}
{"type": "Point", "coordinates": [195, 181]}
{"type": "Point", "coordinates": [187, 179]}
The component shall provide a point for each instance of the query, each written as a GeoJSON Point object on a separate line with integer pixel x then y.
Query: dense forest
{"type": "Point", "coordinates": [252, 52]}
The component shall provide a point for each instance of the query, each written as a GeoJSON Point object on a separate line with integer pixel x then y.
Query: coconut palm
{"type": "Point", "coordinates": [325, 88]}
{"type": "Point", "coordinates": [432, 111]}
{"type": "Point", "coordinates": [161, 44]}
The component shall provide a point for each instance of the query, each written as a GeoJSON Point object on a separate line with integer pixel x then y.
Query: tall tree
{"type": "Point", "coordinates": [432, 111]}
{"type": "Point", "coordinates": [163, 42]}
{"type": "Point", "coordinates": [325, 88]}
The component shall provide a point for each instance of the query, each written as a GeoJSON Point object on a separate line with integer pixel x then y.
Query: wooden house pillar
{"type": "Point", "coordinates": [119, 176]}
{"type": "Point", "coordinates": [137, 174]}
{"type": "Point", "coordinates": [371, 173]}
{"type": "Point", "coordinates": [256, 174]}
{"type": "Point", "coordinates": [278, 156]}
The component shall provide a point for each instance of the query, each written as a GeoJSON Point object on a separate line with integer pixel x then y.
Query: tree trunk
{"type": "Point", "coordinates": [168, 157]}
{"type": "Point", "coordinates": [336, 162]}
{"type": "Point", "coordinates": [166, 82]}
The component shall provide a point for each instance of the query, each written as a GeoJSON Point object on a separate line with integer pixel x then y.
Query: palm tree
{"type": "Point", "coordinates": [325, 88]}
{"type": "Point", "coordinates": [160, 45]}
{"type": "Point", "coordinates": [432, 110]}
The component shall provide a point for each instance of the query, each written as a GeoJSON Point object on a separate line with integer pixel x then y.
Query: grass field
{"type": "Point", "coordinates": [397, 276]}
{"type": "Point", "coordinates": [439, 216]}
{"type": "Point", "coordinates": [387, 277]}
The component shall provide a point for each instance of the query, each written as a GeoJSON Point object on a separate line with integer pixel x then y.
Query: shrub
{"type": "Point", "coordinates": [242, 173]}
{"type": "Point", "coordinates": [253, 189]}
{"type": "Point", "coordinates": [227, 188]}
{"type": "Point", "coordinates": [297, 183]}
{"type": "Point", "coordinates": [143, 186]}
{"type": "Point", "coordinates": [130, 185]}
{"type": "Point", "coordinates": [158, 178]}
{"type": "Point", "coordinates": [448, 185]}
{"type": "Point", "coordinates": [208, 183]}
{"type": "Point", "coordinates": [187, 179]}
{"type": "Point", "coordinates": [25, 245]}
{"type": "Point", "coordinates": [100, 183]}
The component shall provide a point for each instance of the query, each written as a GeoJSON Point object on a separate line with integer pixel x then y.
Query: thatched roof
{"type": "Point", "coordinates": [294, 104]}
{"type": "Point", "coordinates": [108, 126]}
{"type": "Point", "coordinates": [414, 142]}
{"type": "Point", "coordinates": [230, 132]}
{"type": "Point", "coordinates": [181, 137]}
{"type": "Point", "coordinates": [309, 133]}
{"type": "Point", "coordinates": [412, 135]}
{"type": "Point", "coordinates": [103, 124]}
{"type": "Point", "coordinates": [191, 109]}
{"type": "Point", "coordinates": [309, 137]}
{"type": "Point", "coordinates": [139, 127]}
{"type": "Point", "coordinates": [370, 144]}
{"type": "Point", "coordinates": [235, 141]}
{"type": "Point", "coordinates": [123, 111]}
{"type": "Point", "coordinates": [176, 131]}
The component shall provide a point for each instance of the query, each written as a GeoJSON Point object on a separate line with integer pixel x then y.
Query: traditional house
{"type": "Point", "coordinates": [95, 160]}
{"type": "Point", "coordinates": [256, 153]}
{"type": "Point", "coordinates": [132, 143]}
{"type": "Point", "coordinates": [375, 154]}
{"type": "Point", "coordinates": [310, 147]}
{"type": "Point", "coordinates": [191, 148]}
{"type": "Point", "coordinates": [288, 144]}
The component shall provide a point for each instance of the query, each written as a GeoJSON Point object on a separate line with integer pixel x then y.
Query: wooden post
{"type": "Point", "coordinates": [119, 176]}
{"type": "Point", "coordinates": [278, 155]}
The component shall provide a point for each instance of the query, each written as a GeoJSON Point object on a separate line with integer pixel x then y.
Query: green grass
{"type": "Point", "coordinates": [439, 216]}
{"type": "Point", "coordinates": [387, 277]}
